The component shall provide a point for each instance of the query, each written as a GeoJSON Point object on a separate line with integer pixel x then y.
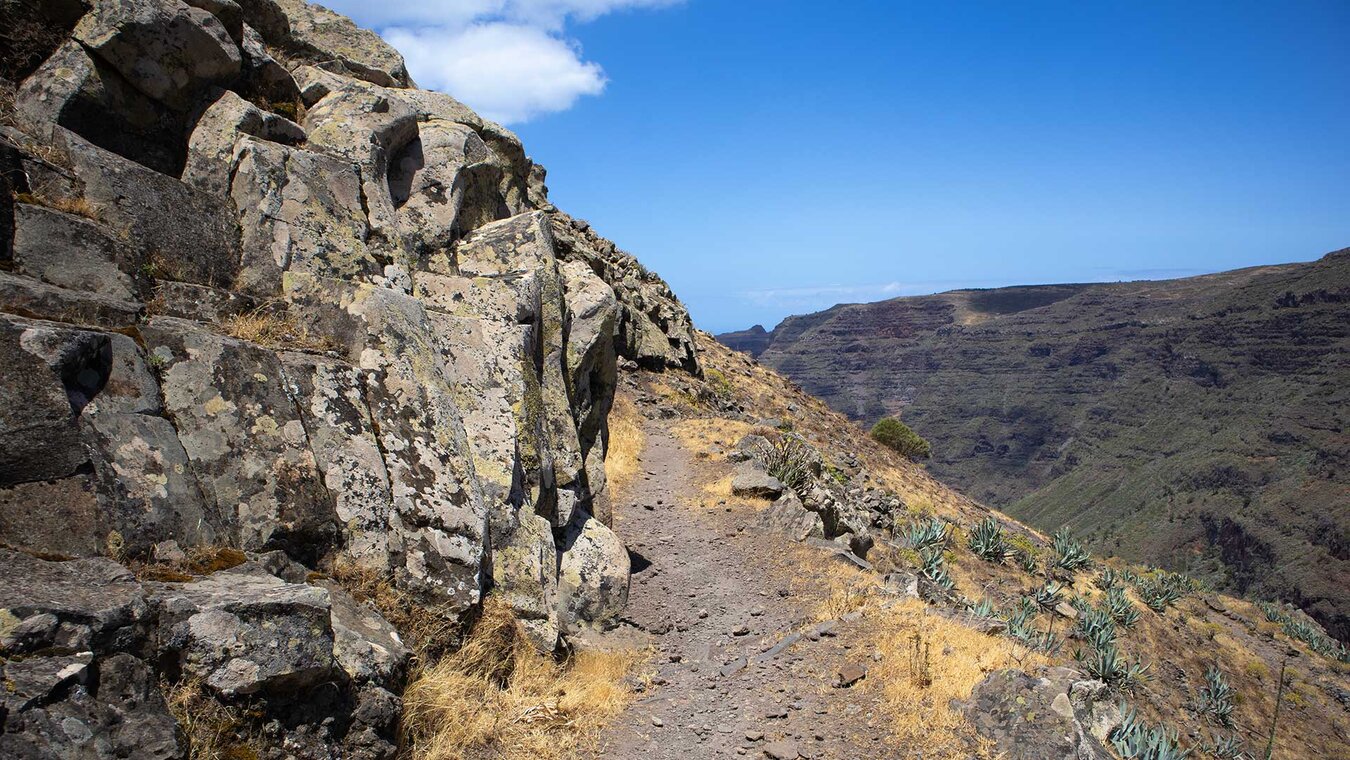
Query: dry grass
{"type": "Point", "coordinates": [626, 441]}
{"type": "Point", "coordinates": [927, 662]}
{"type": "Point", "coordinates": [848, 590]}
{"type": "Point", "coordinates": [76, 206]}
{"type": "Point", "coordinates": [497, 697]}
{"type": "Point", "coordinates": [706, 433]}
{"type": "Point", "coordinates": [428, 631]}
{"type": "Point", "coordinates": [214, 731]}
{"type": "Point", "coordinates": [274, 327]}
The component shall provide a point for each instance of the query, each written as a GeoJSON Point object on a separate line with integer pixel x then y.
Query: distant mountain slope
{"type": "Point", "coordinates": [1198, 423]}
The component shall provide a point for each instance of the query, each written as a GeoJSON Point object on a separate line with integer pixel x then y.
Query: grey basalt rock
{"type": "Point", "coordinates": [74, 91]}
{"type": "Point", "coordinates": [788, 517]}
{"type": "Point", "coordinates": [70, 252]}
{"type": "Point", "coordinates": [210, 158]}
{"type": "Point", "coordinates": [593, 575]}
{"type": "Point", "coordinates": [101, 711]}
{"type": "Point", "coordinates": [1047, 714]}
{"type": "Point", "coordinates": [88, 605]}
{"type": "Point", "coordinates": [322, 35]}
{"type": "Point", "coordinates": [245, 633]}
{"type": "Point", "coordinates": [167, 49]}
{"type": "Point", "coordinates": [245, 439]}
{"type": "Point", "coordinates": [754, 482]}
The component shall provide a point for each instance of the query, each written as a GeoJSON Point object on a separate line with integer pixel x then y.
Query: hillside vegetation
{"type": "Point", "coordinates": [1199, 424]}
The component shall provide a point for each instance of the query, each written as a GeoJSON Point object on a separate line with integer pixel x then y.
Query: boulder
{"type": "Point", "coordinates": [331, 398]}
{"type": "Point", "coordinates": [71, 707]}
{"type": "Point", "coordinates": [752, 482]}
{"type": "Point", "coordinates": [37, 299]}
{"type": "Point", "coordinates": [300, 212]}
{"type": "Point", "coordinates": [1038, 715]}
{"type": "Point", "coordinates": [593, 574]}
{"type": "Point", "coordinates": [245, 633]}
{"type": "Point", "coordinates": [365, 645]}
{"type": "Point", "coordinates": [323, 36]}
{"type": "Point", "coordinates": [80, 605]}
{"type": "Point", "coordinates": [245, 439]}
{"type": "Point", "coordinates": [788, 517]}
{"type": "Point", "coordinates": [167, 49]}
{"type": "Point", "coordinates": [179, 233]}
{"type": "Point", "coordinates": [210, 158]}
{"type": "Point", "coordinates": [72, 90]}
{"type": "Point", "coordinates": [70, 252]}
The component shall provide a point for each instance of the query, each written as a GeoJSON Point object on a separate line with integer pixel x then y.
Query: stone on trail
{"type": "Point", "coordinates": [753, 482]}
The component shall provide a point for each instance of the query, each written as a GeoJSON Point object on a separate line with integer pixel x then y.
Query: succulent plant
{"type": "Point", "coordinates": [1069, 554]}
{"type": "Point", "coordinates": [1160, 590]}
{"type": "Point", "coordinates": [1027, 561]}
{"type": "Point", "coordinates": [1227, 747]}
{"type": "Point", "coordinates": [1048, 595]}
{"type": "Point", "coordinates": [790, 459]}
{"type": "Point", "coordinates": [1120, 608]}
{"type": "Point", "coordinates": [927, 534]}
{"type": "Point", "coordinates": [935, 568]}
{"type": "Point", "coordinates": [1216, 698]}
{"type": "Point", "coordinates": [1136, 740]}
{"type": "Point", "coordinates": [1097, 628]}
{"type": "Point", "coordinates": [1107, 579]}
{"type": "Point", "coordinates": [1106, 664]}
{"type": "Point", "coordinates": [983, 608]}
{"type": "Point", "coordinates": [986, 540]}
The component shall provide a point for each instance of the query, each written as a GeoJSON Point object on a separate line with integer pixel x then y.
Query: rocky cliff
{"type": "Point", "coordinates": [1199, 423]}
{"type": "Point", "coordinates": [270, 314]}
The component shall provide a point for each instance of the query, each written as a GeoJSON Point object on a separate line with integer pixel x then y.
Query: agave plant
{"type": "Point", "coordinates": [1161, 590]}
{"type": "Point", "coordinates": [1216, 698]}
{"type": "Point", "coordinates": [790, 459]}
{"type": "Point", "coordinates": [1272, 612]}
{"type": "Point", "coordinates": [1120, 608]}
{"type": "Point", "coordinates": [1107, 579]}
{"type": "Point", "coordinates": [1136, 740]}
{"type": "Point", "coordinates": [923, 535]}
{"type": "Point", "coordinates": [986, 540]}
{"type": "Point", "coordinates": [935, 569]}
{"type": "Point", "coordinates": [1227, 747]}
{"type": "Point", "coordinates": [1106, 664]}
{"type": "Point", "coordinates": [1048, 595]}
{"type": "Point", "coordinates": [1069, 554]}
{"type": "Point", "coordinates": [1097, 628]}
{"type": "Point", "coordinates": [1027, 561]}
{"type": "Point", "coordinates": [982, 609]}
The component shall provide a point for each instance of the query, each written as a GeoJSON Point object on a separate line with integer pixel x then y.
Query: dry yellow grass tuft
{"type": "Point", "coordinates": [497, 697]}
{"type": "Point", "coordinates": [705, 433]}
{"type": "Point", "coordinates": [428, 631]}
{"type": "Point", "coordinates": [927, 662]}
{"type": "Point", "coordinates": [214, 730]}
{"type": "Point", "coordinates": [275, 328]}
{"type": "Point", "coordinates": [77, 206]}
{"type": "Point", "coordinates": [849, 589]}
{"type": "Point", "coordinates": [626, 441]}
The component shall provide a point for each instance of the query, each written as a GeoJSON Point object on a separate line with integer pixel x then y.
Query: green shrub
{"type": "Point", "coordinates": [894, 434]}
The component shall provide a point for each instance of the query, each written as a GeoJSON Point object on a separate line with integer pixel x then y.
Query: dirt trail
{"type": "Point", "coordinates": [709, 588]}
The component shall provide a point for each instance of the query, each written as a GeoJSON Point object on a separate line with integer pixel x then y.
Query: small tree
{"type": "Point", "coordinates": [895, 434]}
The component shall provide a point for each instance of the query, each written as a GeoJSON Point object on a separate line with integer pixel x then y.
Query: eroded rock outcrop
{"type": "Point", "coordinates": [306, 312]}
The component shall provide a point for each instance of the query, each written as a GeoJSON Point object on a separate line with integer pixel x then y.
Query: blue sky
{"type": "Point", "coordinates": [771, 158]}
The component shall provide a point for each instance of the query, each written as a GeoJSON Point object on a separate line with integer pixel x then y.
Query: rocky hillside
{"type": "Point", "coordinates": [322, 436]}
{"type": "Point", "coordinates": [272, 318]}
{"type": "Point", "coordinates": [1199, 423]}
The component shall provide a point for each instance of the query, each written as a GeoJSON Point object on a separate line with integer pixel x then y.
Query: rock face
{"type": "Point", "coordinates": [303, 311]}
{"type": "Point", "coordinates": [1052, 714]}
{"type": "Point", "coordinates": [1198, 418]}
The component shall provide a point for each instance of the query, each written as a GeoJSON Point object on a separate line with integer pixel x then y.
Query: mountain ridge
{"type": "Point", "coordinates": [1014, 387]}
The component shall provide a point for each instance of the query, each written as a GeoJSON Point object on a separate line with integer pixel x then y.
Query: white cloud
{"type": "Point", "coordinates": [818, 296]}
{"type": "Point", "coordinates": [511, 60]}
